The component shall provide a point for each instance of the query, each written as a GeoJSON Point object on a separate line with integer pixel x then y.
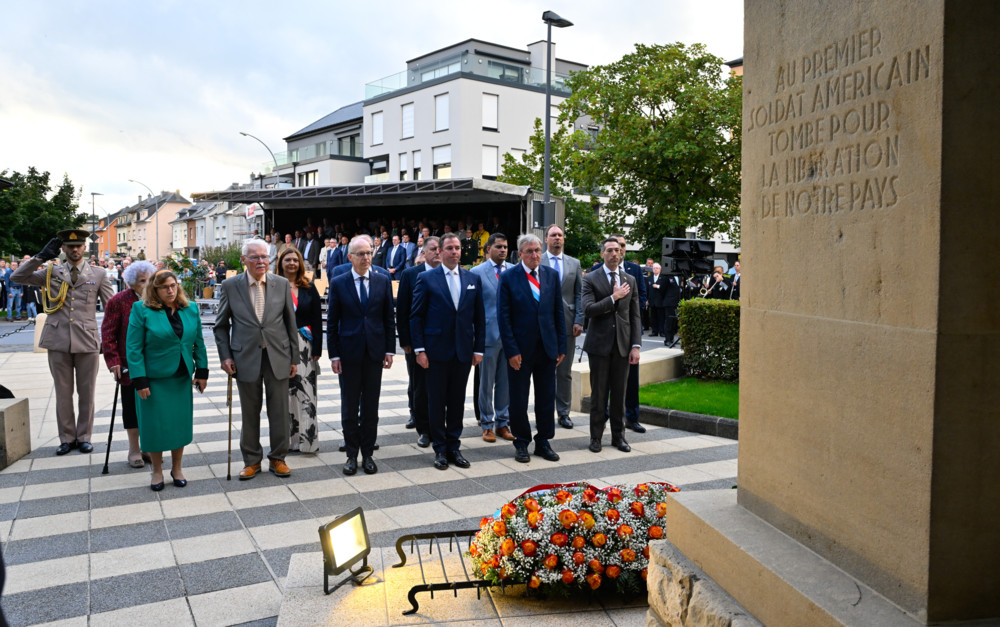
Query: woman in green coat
{"type": "Point", "coordinates": [165, 349]}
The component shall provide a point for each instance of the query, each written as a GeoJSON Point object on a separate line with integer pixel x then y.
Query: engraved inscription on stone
{"type": "Point", "coordinates": [830, 129]}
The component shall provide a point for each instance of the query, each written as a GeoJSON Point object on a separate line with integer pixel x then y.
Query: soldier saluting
{"type": "Point", "coordinates": [70, 292]}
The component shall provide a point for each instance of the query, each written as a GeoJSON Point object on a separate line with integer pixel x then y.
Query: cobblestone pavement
{"type": "Point", "coordinates": [85, 548]}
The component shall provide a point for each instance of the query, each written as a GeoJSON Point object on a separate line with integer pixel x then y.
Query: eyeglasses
{"type": "Point", "coordinates": [364, 254]}
{"type": "Point", "coordinates": [256, 258]}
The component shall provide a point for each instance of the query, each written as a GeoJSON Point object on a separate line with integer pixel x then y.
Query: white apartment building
{"type": "Point", "coordinates": [453, 113]}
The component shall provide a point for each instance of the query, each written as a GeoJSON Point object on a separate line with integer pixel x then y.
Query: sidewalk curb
{"type": "Point", "coordinates": [684, 421]}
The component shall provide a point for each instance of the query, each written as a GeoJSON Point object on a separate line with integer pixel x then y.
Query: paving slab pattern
{"type": "Point", "coordinates": [83, 548]}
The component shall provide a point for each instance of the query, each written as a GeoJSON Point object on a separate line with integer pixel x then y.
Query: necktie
{"type": "Point", "coordinates": [453, 285]}
{"type": "Point", "coordinates": [363, 292]}
{"type": "Point", "coordinates": [613, 277]}
{"type": "Point", "coordinates": [555, 266]}
{"type": "Point", "coordinates": [498, 269]}
{"type": "Point", "coordinates": [74, 274]}
{"type": "Point", "coordinates": [258, 301]}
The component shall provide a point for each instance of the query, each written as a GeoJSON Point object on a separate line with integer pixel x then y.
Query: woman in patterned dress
{"type": "Point", "coordinates": [309, 320]}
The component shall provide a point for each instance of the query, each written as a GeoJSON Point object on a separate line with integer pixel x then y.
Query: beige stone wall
{"type": "Point", "coordinates": [865, 179]}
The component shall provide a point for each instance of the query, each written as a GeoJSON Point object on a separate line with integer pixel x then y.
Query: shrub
{"type": "Point", "coordinates": [710, 335]}
{"type": "Point", "coordinates": [229, 253]}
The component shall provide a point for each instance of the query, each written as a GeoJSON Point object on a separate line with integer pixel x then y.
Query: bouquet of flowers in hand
{"type": "Point", "coordinates": [573, 535]}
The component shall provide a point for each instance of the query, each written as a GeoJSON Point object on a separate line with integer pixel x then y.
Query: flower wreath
{"type": "Point", "coordinates": [572, 535]}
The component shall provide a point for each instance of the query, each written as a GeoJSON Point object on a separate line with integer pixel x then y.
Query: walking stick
{"type": "Point", "coordinates": [229, 403]}
{"type": "Point", "coordinates": [111, 430]}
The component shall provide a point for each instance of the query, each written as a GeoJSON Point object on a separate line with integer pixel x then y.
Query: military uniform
{"type": "Point", "coordinates": [70, 336]}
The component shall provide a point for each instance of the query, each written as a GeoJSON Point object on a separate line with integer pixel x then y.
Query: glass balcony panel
{"type": "Point", "coordinates": [482, 66]}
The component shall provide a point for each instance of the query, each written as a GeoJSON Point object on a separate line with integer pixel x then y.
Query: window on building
{"type": "Point", "coordinates": [404, 166]}
{"type": "Point", "coordinates": [407, 111]}
{"type": "Point", "coordinates": [349, 146]}
{"type": "Point", "coordinates": [438, 72]}
{"type": "Point", "coordinates": [416, 165]}
{"type": "Point", "coordinates": [308, 179]}
{"type": "Point", "coordinates": [518, 154]}
{"type": "Point", "coordinates": [441, 112]}
{"type": "Point", "coordinates": [490, 156]}
{"type": "Point", "coordinates": [377, 128]}
{"type": "Point", "coordinates": [442, 162]}
{"type": "Point", "coordinates": [505, 72]}
{"type": "Point", "coordinates": [491, 105]}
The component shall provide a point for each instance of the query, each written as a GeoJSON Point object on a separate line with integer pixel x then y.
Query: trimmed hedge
{"type": "Point", "coordinates": [710, 336]}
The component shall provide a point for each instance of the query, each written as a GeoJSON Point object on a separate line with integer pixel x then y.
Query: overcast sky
{"type": "Point", "coordinates": [158, 91]}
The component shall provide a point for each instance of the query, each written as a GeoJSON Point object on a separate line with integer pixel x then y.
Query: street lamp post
{"type": "Point", "coordinates": [277, 177]}
{"type": "Point", "coordinates": [551, 19]}
{"type": "Point", "coordinates": [93, 224]}
{"type": "Point", "coordinates": [156, 221]}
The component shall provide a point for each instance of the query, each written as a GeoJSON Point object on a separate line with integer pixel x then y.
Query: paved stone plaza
{"type": "Point", "coordinates": [85, 548]}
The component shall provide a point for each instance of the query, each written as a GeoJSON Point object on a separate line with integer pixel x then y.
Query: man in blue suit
{"type": "Point", "coordinates": [338, 256]}
{"type": "Point", "coordinates": [533, 331]}
{"type": "Point", "coordinates": [361, 339]}
{"type": "Point", "coordinates": [411, 251]}
{"type": "Point", "coordinates": [416, 390]}
{"type": "Point", "coordinates": [448, 330]}
{"type": "Point", "coordinates": [494, 394]}
{"type": "Point", "coordinates": [396, 262]}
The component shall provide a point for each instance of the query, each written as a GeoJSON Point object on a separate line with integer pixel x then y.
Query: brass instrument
{"type": "Point", "coordinates": [705, 291]}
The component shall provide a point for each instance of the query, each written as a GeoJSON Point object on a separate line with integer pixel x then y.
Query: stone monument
{"type": "Point", "coordinates": [870, 337]}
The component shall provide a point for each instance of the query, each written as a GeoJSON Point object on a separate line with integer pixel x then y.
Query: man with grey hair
{"type": "Point", "coordinates": [533, 332]}
{"type": "Point", "coordinates": [255, 332]}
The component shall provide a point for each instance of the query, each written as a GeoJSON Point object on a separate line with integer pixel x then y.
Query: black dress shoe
{"type": "Point", "coordinates": [411, 423]}
{"type": "Point", "coordinates": [86, 447]}
{"type": "Point", "coordinates": [178, 483]}
{"type": "Point", "coordinates": [375, 447]}
{"type": "Point", "coordinates": [65, 447]}
{"type": "Point", "coordinates": [424, 440]}
{"type": "Point", "coordinates": [343, 448]}
{"type": "Point", "coordinates": [521, 454]}
{"type": "Point", "coordinates": [441, 461]}
{"type": "Point", "coordinates": [456, 458]}
{"type": "Point", "coordinates": [351, 466]}
{"type": "Point", "coordinates": [595, 445]}
{"type": "Point", "coordinates": [368, 465]}
{"type": "Point", "coordinates": [635, 426]}
{"type": "Point", "coordinates": [545, 452]}
{"type": "Point", "coordinates": [565, 422]}
{"type": "Point", "coordinates": [156, 487]}
{"type": "Point", "coordinates": [621, 445]}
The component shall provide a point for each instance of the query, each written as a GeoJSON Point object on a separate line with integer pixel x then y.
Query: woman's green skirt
{"type": "Point", "coordinates": [166, 418]}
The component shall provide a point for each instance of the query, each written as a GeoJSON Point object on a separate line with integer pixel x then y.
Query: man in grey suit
{"type": "Point", "coordinates": [493, 395]}
{"type": "Point", "coordinates": [255, 332]}
{"type": "Point", "coordinates": [611, 302]}
{"type": "Point", "coordinates": [571, 279]}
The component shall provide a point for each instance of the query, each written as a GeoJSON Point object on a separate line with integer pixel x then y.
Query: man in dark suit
{"type": "Point", "coordinates": [632, 389]}
{"type": "Point", "coordinates": [734, 280]}
{"type": "Point", "coordinates": [659, 288]}
{"type": "Point", "coordinates": [361, 339]}
{"type": "Point", "coordinates": [397, 259]}
{"type": "Point", "coordinates": [533, 332]}
{"type": "Point", "coordinates": [311, 253]}
{"type": "Point", "coordinates": [378, 259]}
{"type": "Point", "coordinates": [570, 279]}
{"type": "Point", "coordinates": [416, 391]}
{"type": "Point", "coordinates": [299, 242]}
{"type": "Point", "coordinates": [254, 333]}
{"type": "Point", "coordinates": [614, 333]}
{"type": "Point", "coordinates": [339, 256]}
{"type": "Point", "coordinates": [411, 250]}
{"type": "Point", "coordinates": [448, 329]}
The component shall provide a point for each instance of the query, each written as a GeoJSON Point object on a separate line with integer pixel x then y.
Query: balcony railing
{"type": "Point", "coordinates": [318, 150]}
{"type": "Point", "coordinates": [467, 63]}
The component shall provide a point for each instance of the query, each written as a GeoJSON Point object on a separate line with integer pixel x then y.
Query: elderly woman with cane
{"type": "Point", "coordinates": [165, 349]}
{"type": "Point", "coordinates": [113, 331]}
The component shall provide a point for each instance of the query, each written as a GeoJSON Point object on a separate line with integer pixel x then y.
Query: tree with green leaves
{"type": "Point", "coordinates": [31, 211]}
{"type": "Point", "coordinates": [667, 152]}
{"type": "Point", "coordinates": [583, 231]}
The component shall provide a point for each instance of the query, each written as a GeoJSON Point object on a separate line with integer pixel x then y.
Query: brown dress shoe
{"type": "Point", "coordinates": [504, 432]}
{"type": "Point", "coordinates": [488, 435]}
{"type": "Point", "coordinates": [249, 472]}
{"type": "Point", "coordinates": [279, 468]}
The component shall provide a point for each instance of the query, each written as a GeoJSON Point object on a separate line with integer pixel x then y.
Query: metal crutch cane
{"type": "Point", "coordinates": [229, 403]}
{"type": "Point", "coordinates": [111, 429]}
